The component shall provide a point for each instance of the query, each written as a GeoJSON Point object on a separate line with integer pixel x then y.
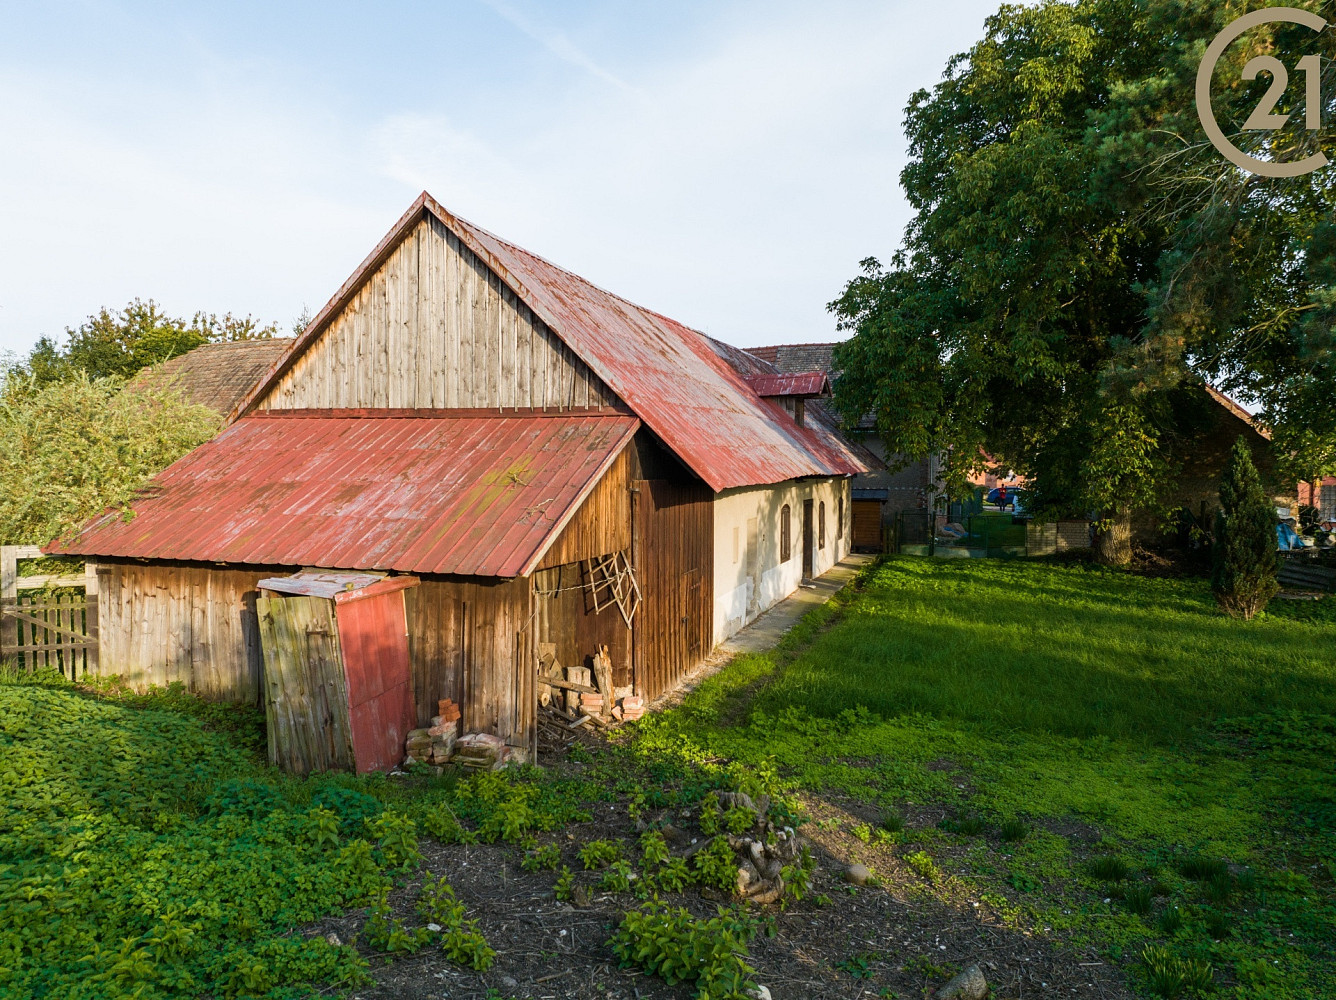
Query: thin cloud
{"type": "Point", "coordinates": [556, 43]}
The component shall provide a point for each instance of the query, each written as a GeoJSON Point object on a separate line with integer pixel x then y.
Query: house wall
{"type": "Point", "coordinates": [162, 623]}
{"type": "Point", "coordinates": [434, 327]}
{"type": "Point", "coordinates": [1213, 430]}
{"type": "Point", "coordinates": [749, 575]}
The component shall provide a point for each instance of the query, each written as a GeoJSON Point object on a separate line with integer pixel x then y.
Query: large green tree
{"type": "Point", "coordinates": [1082, 260]}
{"type": "Point", "coordinates": [121, 343]}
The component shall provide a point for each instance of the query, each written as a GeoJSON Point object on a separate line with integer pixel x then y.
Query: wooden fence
{"type": "Point", "coordinates": [47, 631]}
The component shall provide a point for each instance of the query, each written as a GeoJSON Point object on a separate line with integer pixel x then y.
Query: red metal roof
{"type": "Point", "coordinates": [425, 491]}
{"type": "Point", "coordinates": [795, 384]}
{"type": "Point", "coordinates": [667, 373]}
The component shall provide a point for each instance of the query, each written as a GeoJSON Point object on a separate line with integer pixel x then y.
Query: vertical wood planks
{"type": "Point", "coordinates": [433, 326]}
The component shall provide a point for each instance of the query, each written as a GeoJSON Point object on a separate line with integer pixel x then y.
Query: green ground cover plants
{"type": "Point", "coordinates": [146, 850]}
{"type": "Point", "coordinates": [1194, 749]}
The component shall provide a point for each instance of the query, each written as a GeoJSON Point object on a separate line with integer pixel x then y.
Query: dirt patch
{"type": "Point", "coordinates": [906, 935]}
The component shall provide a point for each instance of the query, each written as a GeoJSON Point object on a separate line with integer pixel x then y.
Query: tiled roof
{"type": "Point", "coordinates": [218, 375]}
{"type": "Point", "coordinates": [791, 358]}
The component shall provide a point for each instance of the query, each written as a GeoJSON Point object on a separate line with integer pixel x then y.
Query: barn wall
{"type": "Point", "coordinates": [164, 623]}
{"type": "Point", "coordinates": [674, 558]}
{"type": "Point", "coordinates": [566, 618]}
{"type": "Point", "coordinates": [749, 575]}
{"type": "Point", "coordinates": [435, 327]}
{"type": "Point", "coordinates": [602, 525]}
{"type": "Point", "coordinates": [470, 640]}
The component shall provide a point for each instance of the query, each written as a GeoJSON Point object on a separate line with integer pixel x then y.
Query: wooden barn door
{"type": "Point", "coordinates": [380, 681]}
{"type": "Point", "coordinates": [674, 549]}
{"type": "Point", "coordinates": [305, 691]}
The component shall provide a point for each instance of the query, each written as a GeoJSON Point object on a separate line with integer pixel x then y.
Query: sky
{"type": "Point", "coordinates": [727, 163]}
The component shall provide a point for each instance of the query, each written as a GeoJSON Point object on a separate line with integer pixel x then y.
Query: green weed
{"type": "Point", "coordinates": [677, 947]}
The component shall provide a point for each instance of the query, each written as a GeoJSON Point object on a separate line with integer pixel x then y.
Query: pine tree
{"type": "Point", "coordinates": [1243, 574]}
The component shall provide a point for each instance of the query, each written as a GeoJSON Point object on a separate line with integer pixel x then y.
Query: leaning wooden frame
{"type": "Point", "coordinates": [613, 575]}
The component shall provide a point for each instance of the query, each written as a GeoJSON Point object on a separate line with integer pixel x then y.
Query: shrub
{"type": "Point", "coordinates": [677, 947]}
{"type": "Point", "coordinates": [398, 838]}
{"type": "Point", "coordinates": [1243, 556]}
{"type": "Point", "coordinates": [546, 856]}
{"type": "Point", "coordinates": [600, 853]}
{"type": "Point", "coordinates": [565, 887]}
{"type": "Point", "coordinates": [716, 866]}
{"type": "Point", "coordinates": [617, 878]}
{"type": "Point", "coordinates": [673, 875]}
{"type": "Point", "coordinates": [461, 941]}
{"type": "Point", "coordinates": [653, 848]}
{"type": "Point", "coordinates": [72, 449]}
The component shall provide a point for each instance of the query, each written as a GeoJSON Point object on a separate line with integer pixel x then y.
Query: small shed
{"type": "Point", "coordinates": [338, 680]}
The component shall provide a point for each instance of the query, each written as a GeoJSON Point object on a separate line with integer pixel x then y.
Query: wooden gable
{"type": "Point", "coordinates": [433, 326]}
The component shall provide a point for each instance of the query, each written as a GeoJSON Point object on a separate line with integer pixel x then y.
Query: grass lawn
{"type": "Point", "coordinates": [1165, 758]}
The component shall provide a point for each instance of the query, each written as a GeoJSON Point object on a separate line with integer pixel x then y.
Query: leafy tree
{"type": "Point", "coordinates": [74, 448]}
{"type": "Point", "coordinates": [1243, 557]}
{"type": "Point", "coordinates": [120, 344]}
{"type": "Point", "coordinates": [1081, 261]}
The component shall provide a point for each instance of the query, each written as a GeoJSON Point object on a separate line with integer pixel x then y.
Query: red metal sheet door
{"type": "Point", "coordinates": [374, 640]}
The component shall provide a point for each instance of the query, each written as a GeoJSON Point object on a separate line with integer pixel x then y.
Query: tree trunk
{"type": "Point", "coordinates": [1113, 542]}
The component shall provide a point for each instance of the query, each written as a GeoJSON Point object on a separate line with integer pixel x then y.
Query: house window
{"type": "Point", "coordinates": [1328, 503]}
{"type": "Point", "coordinates": [821, 526]}
{"type": "Point", "coordinates": [839, 525]}
{"type": "Point", "coordinates": [785, 549]}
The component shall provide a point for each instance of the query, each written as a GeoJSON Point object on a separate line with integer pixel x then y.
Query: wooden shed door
{"type": "Point", "coordinates": [305, 692]}
{"type": "Point", "coordinates": [867, 525]}
{"type": "Point", "coordinates": [381, 708]}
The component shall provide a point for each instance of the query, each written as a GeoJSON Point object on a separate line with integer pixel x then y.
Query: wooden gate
{"type": "Point", "coordinates": [47, 631]}
{"type": "Point", "coordinates": [867, 526]}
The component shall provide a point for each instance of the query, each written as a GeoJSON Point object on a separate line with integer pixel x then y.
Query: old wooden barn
{"type": "Point", "coordinates": [514, 437]}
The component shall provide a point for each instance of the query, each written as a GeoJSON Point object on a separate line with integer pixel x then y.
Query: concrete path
{"type": "Point", "coordinates": [772, 625]}
{"type": "Point", "coordinates": [768, 629]}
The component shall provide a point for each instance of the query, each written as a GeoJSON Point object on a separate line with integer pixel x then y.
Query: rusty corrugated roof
{"type": "Point", "coordinates": [667, 373]}
{"type": "Point", "coordinates": [792, 384]}
{"type": "Point", "coordinates": [423, 491]}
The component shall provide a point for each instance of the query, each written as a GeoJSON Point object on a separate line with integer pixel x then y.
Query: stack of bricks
{"type": "Point", "coordinates": [591, 704]}
{"type": "Point", "coordinates": [435, 745]}
{"type": "Point", "coordinates": [481, 752]}
{"type": "Point", "coordinates": [633, 708]}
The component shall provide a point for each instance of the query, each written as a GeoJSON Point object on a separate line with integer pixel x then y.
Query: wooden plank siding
{"type": "Point", "coordinates": [160, 623]}
{"type": "Point", "coordinates": [566, 618]}
{"type": "Point", "coordinates": [470, 640]}
{"type": "Point", "coordinates": [435, 327]}
{"type": "Point", "coordinates": [674, 558]}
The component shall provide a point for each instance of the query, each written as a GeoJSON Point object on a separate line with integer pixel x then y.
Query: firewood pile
{"type": "Point", "coordinates": [585, 696]}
